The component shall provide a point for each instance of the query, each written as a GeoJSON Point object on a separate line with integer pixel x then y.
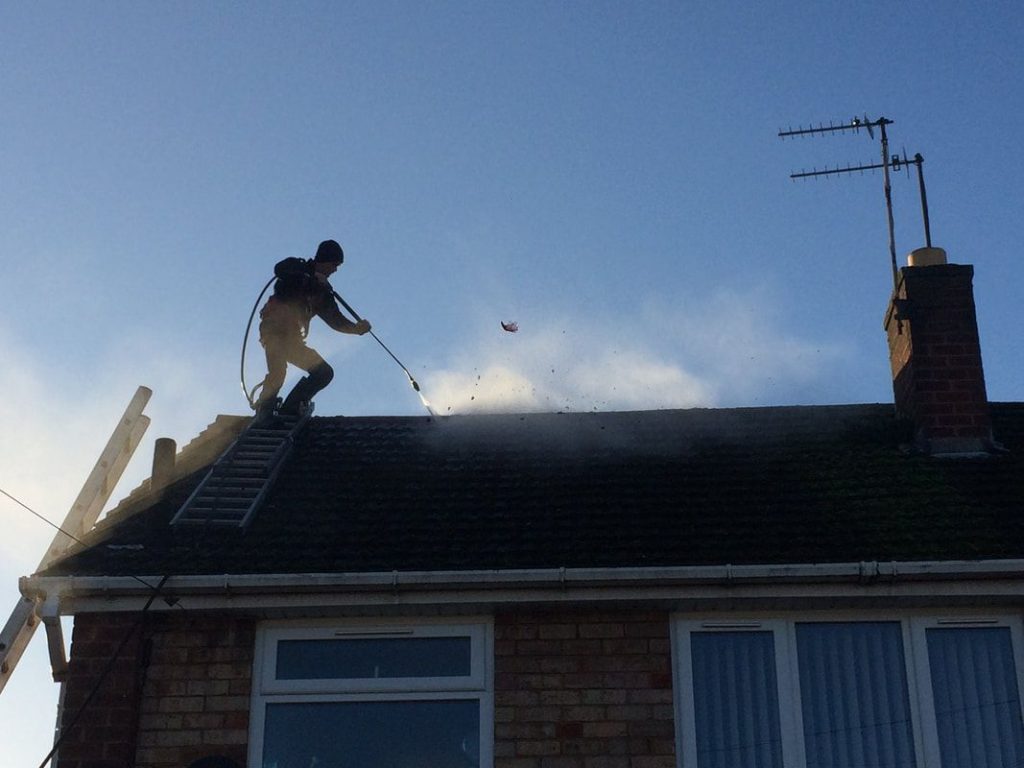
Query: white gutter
{"type": "Point", "coordinates": [935, 580]}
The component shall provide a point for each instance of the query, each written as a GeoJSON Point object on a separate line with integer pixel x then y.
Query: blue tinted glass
{"type": "Point", "coordinates": [977, 703]}
{"type": "Point", "coordinates": [736, 706]}
{"type": "Point", "coordinates": [348, 658]}
{"type": "Point", "coordinates": [853, 693]}
{"type": "Point", "coordinates": [378, 734]}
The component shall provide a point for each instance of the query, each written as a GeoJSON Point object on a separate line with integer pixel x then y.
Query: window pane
{"type": "Point", "coordinates": [378, 734]}
{"type": "Point", "coordinates": [349, 658]}
{"type": "Point", "coordinates": [977, 703]}
{"type": "Point", "coordinates": [736, 706]}
{"type": "Point", "coordinates": [854, 699]}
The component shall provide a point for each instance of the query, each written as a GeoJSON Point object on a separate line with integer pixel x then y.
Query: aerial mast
{"type": "Point", "coordinates": [896, 162]}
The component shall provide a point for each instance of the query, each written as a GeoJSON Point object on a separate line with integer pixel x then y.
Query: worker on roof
{"type": "Point", "coordinates": [301, 292]}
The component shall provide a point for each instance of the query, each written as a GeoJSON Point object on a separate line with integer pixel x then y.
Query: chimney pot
{"type": "Point", "coordinates": [927, 257]}
{"type": "Point", "coordinates": [163, 462]}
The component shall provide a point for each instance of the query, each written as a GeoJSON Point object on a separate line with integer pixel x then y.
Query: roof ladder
{"type": "Point", "coordinates": [239, 481]}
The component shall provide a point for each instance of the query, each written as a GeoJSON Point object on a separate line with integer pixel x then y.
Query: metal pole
{"type": "Point", "coordinates": [919, 160]}
{"type": "Point", "coordinates": [415, 384]}
{"type": "Point", "coordinates": [882, 122]}
{"type": "Point", "coordinates": [382, 344]}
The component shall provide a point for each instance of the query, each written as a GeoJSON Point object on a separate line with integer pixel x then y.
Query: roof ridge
{"type": "Point", "coordinates": [197, 453]}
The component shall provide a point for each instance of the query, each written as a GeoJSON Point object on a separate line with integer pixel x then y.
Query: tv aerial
{"type": "Point", "coordinates": [895, 162]}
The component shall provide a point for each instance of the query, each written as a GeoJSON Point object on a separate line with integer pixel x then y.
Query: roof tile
{"type": "Point", "coordinates": [694, 487]}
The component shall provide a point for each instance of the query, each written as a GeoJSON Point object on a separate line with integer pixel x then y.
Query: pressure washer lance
{"type": "Point", "coordinates": [384, 346]}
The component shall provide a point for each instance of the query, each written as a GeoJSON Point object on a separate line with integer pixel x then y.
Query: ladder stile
{"type": "Point", "coordinates": [239, 481]}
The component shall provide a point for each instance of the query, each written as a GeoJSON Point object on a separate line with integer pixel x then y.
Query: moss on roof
{"type": "Point", "coordinates": [653, 488]}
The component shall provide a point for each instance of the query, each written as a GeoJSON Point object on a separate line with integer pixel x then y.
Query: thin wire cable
{"type": "Point", "coordinates": [52, 524]}
{"type": "Point", "coordinates": [106, 671]}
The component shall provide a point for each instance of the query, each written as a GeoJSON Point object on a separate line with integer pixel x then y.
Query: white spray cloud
{"type": "Point", "coordinates": [568, 370]}
{"type": "Point", "coordinates": [496, 387]}
{"type": "Point", "coordinates": [737, 344]}
{"type": "Point", "coordinates": [728, 349]}
{"type": "Point", "coordinates": [637, 380]}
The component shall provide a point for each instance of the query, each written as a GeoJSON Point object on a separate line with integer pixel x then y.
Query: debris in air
{"type": "Point", "coordinates": [510, 326]}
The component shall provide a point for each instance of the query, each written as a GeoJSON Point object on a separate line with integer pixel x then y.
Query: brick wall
{"type": "Point", "coordinates": [195, 699]}
{"type": "Point", "coordinates": [572, 690]}
{"type": "Point", "coordinates": [178, 691]}
{"type": "Point", "coordinates": [935, 354]}
{"type": "Point", "coordinates": [104, 736]}
{"type": "Point", "coordinates": [586, 690]}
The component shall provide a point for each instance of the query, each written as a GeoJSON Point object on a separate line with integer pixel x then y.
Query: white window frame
{"type": "Point", "coordinates": [685, 705]}
{"type": "Point", "coordinates": [478, 685]}
{"type": "Point", "coordinates": [783, 627]}
{"type": "Point", "coordinates": [922, 667]}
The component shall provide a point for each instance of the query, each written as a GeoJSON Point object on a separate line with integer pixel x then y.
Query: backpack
{"type": "Point", "coordinates": [294, 278]}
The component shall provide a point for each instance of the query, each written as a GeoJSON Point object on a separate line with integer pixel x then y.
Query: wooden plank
{"type": "Point", "coordinates": [22, 624]}
{"type": "Point", "coordinates": [104, 476]}
{"type": "Point", "coordinates": [115, 456]}
{"type": "Point", "coordinates": [113, 476]}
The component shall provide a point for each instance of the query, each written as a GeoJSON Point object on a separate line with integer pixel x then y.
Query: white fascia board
{"type": "Point", "coordinates": [1001, 580]}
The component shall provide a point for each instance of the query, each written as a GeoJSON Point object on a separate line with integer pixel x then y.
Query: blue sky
{"type": "Point", "coordinates": [607, 175]}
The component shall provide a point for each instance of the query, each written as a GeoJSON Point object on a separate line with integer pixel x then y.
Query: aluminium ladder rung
{"type": "Point", "coordinates": [242, 484]}
{"type": "Point", "coordinates": [240, 479]}
{"type": "Point", "coordinates": [228, 492]}
{"type": "Point", "coordinates": [221, 520]}
{"type": "Point", "coordinates": [226, 501]}
{"type": "Point", "coordinates": [202, 513]}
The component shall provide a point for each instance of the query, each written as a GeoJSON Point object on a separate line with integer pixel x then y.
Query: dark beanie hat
{"type": "Point", "coordinates": [329, 250]}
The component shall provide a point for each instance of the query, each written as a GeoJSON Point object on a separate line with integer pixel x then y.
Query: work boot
{"type": "Point", "coordinates": [302, 394]}
{"type": "Point", "coordinates": [265, 416]}
{"type": "Point", "coordinates": [294, 408]}
{"type": "Point", "coordinates": [298, 399]}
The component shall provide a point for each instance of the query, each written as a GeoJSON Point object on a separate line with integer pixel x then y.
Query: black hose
{"type": "Point", "coordinates": [245, 341]}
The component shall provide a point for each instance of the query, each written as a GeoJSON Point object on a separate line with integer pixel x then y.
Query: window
{"type": "Point", "coordinates": [850, 693]}
{"type": "Point", "coordinates": [382, 694]}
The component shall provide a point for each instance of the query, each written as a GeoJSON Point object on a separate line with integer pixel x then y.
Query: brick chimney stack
{"type": "Point", "coordinates": [935, 355]}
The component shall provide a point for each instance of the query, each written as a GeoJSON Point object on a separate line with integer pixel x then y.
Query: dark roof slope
{"type": "Point", "coordinates": [653, 488]}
